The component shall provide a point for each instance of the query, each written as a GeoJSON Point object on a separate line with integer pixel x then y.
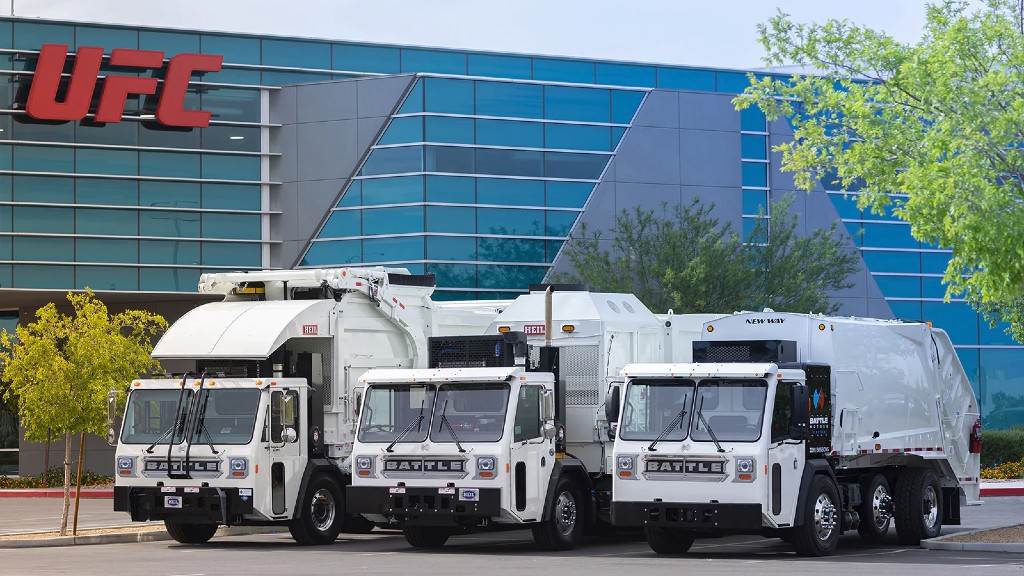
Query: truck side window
{"type": "Point", "coordinates": [782, 416]}
{"type": "Point", "coordinates": [528, 422]}
{"type": "Point", "coordinates": [282, 417]}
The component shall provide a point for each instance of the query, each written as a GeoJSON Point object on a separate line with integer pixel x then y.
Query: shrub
{"type": "Point", "coordinates": [999, 446]}
{"type": "Point", "coordinates": [1005, 471]}
{"type": "Point", "coordinates": [54, 478]}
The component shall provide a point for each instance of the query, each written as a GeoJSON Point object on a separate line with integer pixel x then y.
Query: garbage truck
{"type": "Point", "coordinates": [260, 430]}
{"type": "Point", "coordinates": [797, 426]}
{"type": "Point", "coordinates": [507, 430]}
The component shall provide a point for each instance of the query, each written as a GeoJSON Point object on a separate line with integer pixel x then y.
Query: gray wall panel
{"type": "Point", "coordinates": [709, 158]}
{"type": "Point", "coordinates": [649, 155]}
{"type": "Point", "coordinates": [283, 107]}
{"type": "Point", "coordinates": [327, 101]}
{"type": "Point", "coordinates": [284, 167]}
{"type": "Point", "coordinates": [647, 196]}
{"type": "Point", "coordinates": [727, 203]}
{"type": "Point", "coordinates": [660, 110]}
{"type": "Point", "coordinates": [708, 112]}
{"type": "Point", "coordinates": [379, 96]}
{"type": "Point", "coordinates": [326, 149]}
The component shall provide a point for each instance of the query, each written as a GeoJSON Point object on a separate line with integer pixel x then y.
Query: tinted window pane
{"type": "Point", "coordinates": [235, 50]}
{"type": "Point", "coordinates": [1003, 388]}
{"type": "Point", "coordinates": [330, 253]}
{"type": "Point", "coordinates": [232, 105]}
{"type": "Point", "coordinates": [752, 120]}
{"type": "Point", "coordinates": [995, 335]}
{"type": "Point", "coordinates": [624, 105]}
{"type": "Point", "coordinates": [32, 35]}
{"type": "Point", "coordinates": [240, 226]}
{"type": "Point", "coordinates": [221, 167]}
{"type": "Point", "coordinates": [448, 96]}
{"type": "Point", "coordinates": [393, 220]}
{"type": "Point", "coordinates": [169, 223]}
{"type": "Point", "coordinates": [509, 277]}
{"type": "Point", "coordinates": [353, 194]}
{"type": "Point", "coordinates": [511, 250]}
{"type": "Point", "coordinates": [106, 191]}
{"type": "Point", "coordinates": [754, 147]}
{"type": "Point", "coordinates": [560, 222]}
{"type": "Point", "coordinates": [168, 252]}
{"type": "Point", "coordinates": [151, 134]}
{"type": "Point", "coordinates": [99, 221]}
{"type": "Point", "coordinates": [169, 42]}
{"type": "Point", "coordinates": [625, 74]}
{"type": "Point", "coordinates": [123, 133]}
{"type": "Point", "coordinates": [296, 54]}
{"type": "Point", "coordinates": [732, 82]}
{"type": "Point", "coordinates": [42, 249]}
{"type": "Point", "coordinates": [402, 130]}
{"type": "Point", "coordinates": [39, 132]}
{"type": "Point", "coordinates": [755, 202]}
{"type": "Point", "coordinates": [107, 277]}
{"type": "Point", "coordinates": [577, 137]}
{"type": "Point", "coordinates": [394, 161]}
{"type": "Point", "coordinates": [169, 164]}
{"type": "Point", "coordinates": [231, 197]}
{"type": "Point", "coordinates": [899, 286]}
{"type": "Point", "coordinates": [932, 287]}
{"type": "Point", "coordinates": [568, 194]}
{"type": "Point", "coordinates": [169, 194]}
{"type": "Point", "coordinates": [956, 318]}
{"type": "Point", "coordinates": [451, 248]}
{"type": "Point", "coordinates": [684, 79]}
{"type": "Point", "coordinates": [934, 262]}
{"type": "Point", "coordinates": [366, 58]}
{"type": "Point", "coordinates": [510, 162]}
{"type": "Point", "coordinates": [44, 159]}
{"type": "Point", "coordinates": [231, 254]}
{"type": "Point", "coordinates": [511, 100]}
{"type": "Point", "coordinates": [450, 189]}
{"type": "Point", "coordinates": [847, 207]}
{"type": "Point", "coordinates": [512, 192]}
{"type": "Point", "coordinates": [268, 78]}
{"type": "Point", "coordinates": [444, 129]}
{"type": "Point", "coordinates": [755, 174]}
{"type": "Point", "coordinates": [451, 219]}
{"type": "Point", "coordinates": [448, 159]}
{"type": "Point", "coordinates": [414, 101]}
{"type": "Point", "coordinates": [883, 261]}
{"type": "Point", "coordinates": [583, 104]}
{"type": "Point", "coordinates": [341, 224]}
{"type": "Point", "coordinates": [906, 309]}
{"type": "Point", "coordinates": [392, 249]}
{"type": "Point", "coordinates": [455, 276]}
{"type": "Point", "coordinates": [510, 133]}
{"type": "Point", "coordinates": [102, 250]}
{"type": "Point", "coordinates": [231, 75]}
{"type": "Point", "coordinates": [392, 190]}
{"type": "Point", "coordinates": [563, 70]}
{"type": "Point", "coordinates": [105, 37]}
{"type": "Point", "coordinates": [499, 66]}
{"type": "Point", "coordinates": [36, 219]}
{"type": "Point", "coordinates": [44, 189]}
{"type": "Point", "coordinates": [58, 277]}
{"type": "Point", "coordinates": [578, 166]}
{"type": "Point", "coordinates": [120, 162]}
{"type": "Point", "coordinates": [508, 221]}
{"type": "Point", "coordinates": [888, 236]}
{"type": "Point", "coordinates": [168, 279]}
{"type": "Point", "coordinates": [441, 62]}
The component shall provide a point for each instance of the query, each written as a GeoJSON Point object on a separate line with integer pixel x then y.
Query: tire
{"type": "Point", "coordinates": [321, 513]}
{"type": "Point", "coordinates": [425, 536]}
{"type": "Point", "coordinates": [669, 540]}
{"type": "Point", "coordinates": [918, 506]}
{"type": "Point", "coordinates": [190, 533]}
{"type": "Point", "coordinates": [875, 508]}
{"type": "Point", "coordinates": [564, 528]}
{"type": "Point", "coordinates": [357, 525]}
{"type": "Point", "coordinates": [818, 535]}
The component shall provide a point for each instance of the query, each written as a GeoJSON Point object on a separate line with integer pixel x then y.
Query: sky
{"type": "Point", "coordinates": [718, 33]}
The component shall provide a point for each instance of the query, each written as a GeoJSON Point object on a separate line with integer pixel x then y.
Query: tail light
{"type": "Point", "coordinates": [976, 437]}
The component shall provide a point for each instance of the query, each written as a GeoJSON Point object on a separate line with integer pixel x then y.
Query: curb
{"type": "Point", "coordinates": [1010, 491]}
{"type": "Point", "coordinates": [53, 493]}
{"type": "Point", "coordinates": [130, 537]}
{"type": "Point", "coordinates": [939, 543]}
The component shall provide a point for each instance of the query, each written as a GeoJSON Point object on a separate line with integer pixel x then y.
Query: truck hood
{"type": "Point", "coordinates": [243, 330]}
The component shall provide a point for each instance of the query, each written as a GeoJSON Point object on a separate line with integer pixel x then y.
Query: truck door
{"type": "Point", "coordinates": [785, 459]}
{"type": "Point", "coordinates": [286, 451]}
{"type": "Point", "coordinates": [531, 458]}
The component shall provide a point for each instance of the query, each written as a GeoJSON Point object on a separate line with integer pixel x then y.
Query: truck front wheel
{"type": "Point", "coordinates": [669, 540]}
{"type": "Point", "coordinates": [875, 508]}
{"type": "Point", "coordinates": [322, 513]}
{"type": "Point", "coordinates": [918, 506]}
{"type": "Point", "coordinates": [190, 533]}
{"type": "Point", "coordinates": [819, 533]}
{"type": "Point", "coordinates": [425, 536]}
{"type": "Point", "coordinates": [563, 529]}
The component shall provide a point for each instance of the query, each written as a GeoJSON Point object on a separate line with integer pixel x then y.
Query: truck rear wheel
{"type": "Point", "coordinates": [564, 528]}
{"type": "Point", "coordinates": [425, 536]}
{"type": "Point", "coordinates": [187, 533]}
{"type": "Point", "coordinates": [819, 533]}
{"type": "Point", "coordinates": [669, 540]}
{"type": "Point", "coordinates": [875, 508]}
{"type": "Point", "coordinates": [322, 513]}
{"type": "Point", "coordinates": [918, 506]}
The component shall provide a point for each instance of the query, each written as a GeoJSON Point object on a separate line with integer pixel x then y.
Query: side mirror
{"type": "Point", "coordinates": [547, 407]}
{"type": "Point", "coordinates": [289, 435]}
{"type": "Point", "coordinates": [611, 404]}
{"type": "Point", "coordinates": [613, 430]}
{"type": "Point", "coordinates": [111, 417]}
{"type": "Point", "coordinates": [548, 430]}
{"type": "Point", "coordinates": [801, 413]}
{"type": "Point", "coordinates": [357, 404]}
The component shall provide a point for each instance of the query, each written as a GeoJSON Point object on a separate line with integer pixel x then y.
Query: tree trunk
{"type": "Point", "coordinates": [67, 485]}
{"type": "Point", "coordinates": [46, 454]}
{"type": "Point", "coordinates": [78, 482]}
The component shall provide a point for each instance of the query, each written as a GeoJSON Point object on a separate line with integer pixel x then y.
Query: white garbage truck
{"type": "Point", "coordinates": [801, 427]}
{"type": "Point", "coordinates": [260, 431]}
{"type": "Point", "coordinates": [506, 430]}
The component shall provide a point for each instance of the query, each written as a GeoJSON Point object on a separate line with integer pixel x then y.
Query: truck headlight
{"type": "Point", "coordinates": [485, 464]}
{"type": "Point", "coordinates": [125, 466]}
{"type": "Point", "coordinates": [239, 467]}
{"type": "Point", "coordinates": [746, 470]}
{"type": "Point", "coordinates": [364, 465]}
{"type": "Point", "coordinates": [624, 462]}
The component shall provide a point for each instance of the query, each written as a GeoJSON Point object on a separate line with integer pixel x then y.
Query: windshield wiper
{"type": "Point", "coordinates": [415, 423]}
{"type": "Point", "coordinates": [451, 430]}
{"type": "Point", "coordinates": [202, 425]}
{"type": "Point", "coordinates": [700, 416]}
{"type": "Point", "coordinates": [177, 418]}
{"type": "Point", "coordinates": [668, 429]}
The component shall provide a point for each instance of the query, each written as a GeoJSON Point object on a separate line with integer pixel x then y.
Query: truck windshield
{"type": "Point", "coordinates": [389, 409]}
{"type": "Point", "coordinates": [149, 416]}
{"type": "Point", "coordinates": [229, 416]}
{"type": "Point", "coordinates": [651, 405]}
{"type": "Point", "coordinates": [229, 419]}
{"type": "Point", "coordinates": [475, 412]}
{"type": "Point", "coordinates": [733, 409]}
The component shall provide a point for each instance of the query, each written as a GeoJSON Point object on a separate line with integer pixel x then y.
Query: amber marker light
{"type": "Point", "coordinates": [821, 327]}
{"type": "Point", "coordinates": [711, 328]}
{"type": "Point", "coordinates": [504, 329]}
{"type": "Point", "coordinates": [747, 477]}
{"type": "Point", "coordinates": [568, 328]}
{"type": "Point", "coordinates": [487, 474]}
{"type": "Point", "coordinates": [625, 474]}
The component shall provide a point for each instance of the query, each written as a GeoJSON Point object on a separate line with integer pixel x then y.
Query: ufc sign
{"type": "Point", "coordinates": [42, 101]}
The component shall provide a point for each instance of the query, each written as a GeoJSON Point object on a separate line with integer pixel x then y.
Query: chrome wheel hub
{"type": "Point", "coordinates": [825, 517]}
{"type": "Point", "coordinates": [565, 513]}
{"type": "Point", "coordinates": [930, 506]}
{"type": "Point", "coordinates": [322, 510]}
{"type": "Point", "coordinates": [881, 508]}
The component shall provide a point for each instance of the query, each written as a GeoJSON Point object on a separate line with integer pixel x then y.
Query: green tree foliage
{"type": "Point", "coordinates": [689, 261]}
{"type": "Point", "coordinates": [60, 368]}
{"type": "Point", "coordinates": [941, 121]}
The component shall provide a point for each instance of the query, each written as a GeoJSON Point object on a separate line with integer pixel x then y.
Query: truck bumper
{"type": "Point", "coordinates": [695, 515]}
{"type": "Point", "coordinates": [200, 505]}
{"type": "Point", "coordinates": [425, 506]}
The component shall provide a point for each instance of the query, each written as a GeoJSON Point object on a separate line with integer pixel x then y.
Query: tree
{"type": "Point", "coordinates": [941, 121]}
{"type": "Point", "coordinates": [60, 368]}
{"type": "Point", "coordinates": [689, 261]}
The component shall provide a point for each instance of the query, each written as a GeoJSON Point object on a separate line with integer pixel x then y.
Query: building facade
{"type": "Point", "coordinates": [473, 166]}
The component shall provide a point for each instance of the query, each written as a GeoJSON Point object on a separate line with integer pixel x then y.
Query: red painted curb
{"type": "Point", "coordinates": [31, 493]}
{"type": "Point", "coordinates": [1002, 491]}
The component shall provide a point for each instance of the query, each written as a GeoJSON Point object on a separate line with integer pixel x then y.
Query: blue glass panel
{"type": "Point", "coordinates": [887, 213]}
{"type": "Point", "coordinates": [889, 236]}
{"type": "Point", "coordinates": [511, 250]}
{"type": "Point", "coordinates": [755, 174]}
{"type": "Point", "coordinates": [234, 49]}
{"type": "Point", "coordinates": [577, 166]}
{"type": "Point", "coordinates": [753, 234]}
{"type": "Point", "coordinates": [168, 252]}
{"type": "Point", "coordinates": [969, 360]}
{"type": "Point", "coordinates": [625, 74]}
{"type": "Point", "coordinates": [53, 277]}
{"type": "Point", "coordinates": [41, 132]}
{"type": "Point", "coordinates": [996, 336]}
{"type": "Point", "coordinates": [755, 202]}
{"type": "Point", "coordinates": [500, 66]}
{"type": "Point", "coordinates": [231, 138]}
{"type": "Point", "coordinates": [455, 276]}
{"type": "Point", "coordinates": [847, 207]}
{"type": "Point", "coordinates": [553, 247]}
{"type": "Point", "coordinates": [625, 104]}
{"type": "Point", "coordinates": [906, 309]}
{"type": "Point", "coordinates": [100, 221]}
{"type": "Point", "coordinates": [448, 159]}
{"type": "Point", "coordinates": [235, 105]}
{"type": "Point", "coordinates": [94, 161]}
{"type": "Point", "coordinates": [403, 130]}
{"type": "Point", "coordinates": [754, 147]}
{"type": "Point", "coordinates": [559, 223]}
{"type": "Point", "coordinates": [231, 254]}
{"type": "Point", "coordinates": [32, 35]}
{"type": "Point", "coordinates": [53, 189]}
{"type": "Point", "coordinates": [412, 267]}
{"type": "Point", "coordinates": [336, 252]}
{"type": "Point", "coordinates": [451, 219]}
{"type": "Point", "coordinates": [932, 287]}
{"type": "Point", "coordinates": [617, 134]}
{"type": "Point", "coordinates": [362, 58]}
{"type": "Point", "coordinates": [448, 96]}
{"type": "Point", "coordinates": [753, 120]}
{"type": "Point", "coordinates": [577, 137]}
{"type": "Point", "coordinates": [230, 75]}
{"type": "Point", "coordinates": [856, 232]}
{"type": "Point", "coordinates": [451, 248]}
{"type": "Point", "coordinates": [686, 79]}
{"type": "Point", "coordinates": [438, 61]}
{"type": "Point", "coordinates": [341, 224]}
{"type": "Point", "coordinates": [397, 190]}
{"type": "Point", "coordinates": [237, 226]}
{"type": "Point", "coordinates": [393, 220]}
{"type": "Point", "coordinates": [42, 249]}
{"type": "Point", "coordinates": [394, 161]}
{"type": "Point", "coordinates": [934, 262]}
{"type": "Point", "coordinates": [6, 36]}
{"type": "Point", "coordinates": [509, 100]}
{"type": "Point", "coordinates": [107, 38]}
{"type": "Point", "coordinates": [510, 162]}
{"type": "Point", "coordinates": [445, 129]}
{"type": "Point", "coordinates": [956, 318]}
{"type": "Point", "coordinates": [5, 219]}
{"type": "Point", "coordinates": [168, 279]}
{"type": "Point", "coordinates": [510, 192]}
{"type": "Point", "coordinates": [392, 249]}
{"type": "Point", "coordinates": [563, 70]}
{"type": "Point", "coordinates": [169, 164]}
{"type": "Point", "coordinates": [105, 191]}
{"type": "Point", "coordinates": [272, 78]}
{"type": "Point", "coordinates": [5, 188]}
{"type": "Point", "coordinates": [583, 104]}
{"type": "Point", "coordinates": [231, 197]}
{"type": "Point", "coordinates": [169, 223]}
{"type": "Point", "coordinates": [450, 189]}
{"type": "Point", "coordinates": [510, 133]}
{"type": "Point", "coordinates": [168, 194]}
{"type": "Point", "coordinates": [414, 101]}
{"type": "Point", "coordinates": [899, 286]}
{"type": "Point", "coordinates": [44, 159]}
{"type": "Point", "coordinates": [732, 82]}
{"type": "Point", "coordinates": [353, 195]}
{"type": "Point", "coordinates": [220, 167]}
{"type": "Point", "coordinates": [107, 277]}
{"type": "Point", "coordinates": [883, 261]}
{"type": "Point", "coordinates": [509, 277]}
{"type": "Point", "coordinates": [38, 219]}
{"type": "Point", "coordinates": [170, 43]}
{"type": "Point", "coordinates": [103, 250]}
{"type": "Point", "coordinates": [568, 194]}
{"type": "Point", "coordinates": [121, 133]}
{"type": "Point", "coordinates": [507, 221]}
{"type": "Point", "coordinates": [296, 54]}
{"type": "Point", "coordinates": [830, 181]}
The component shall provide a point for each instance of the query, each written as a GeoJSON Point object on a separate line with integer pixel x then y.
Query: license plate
{"type": "Point", "coordinates": [191, 489]}
{"type": "Point", "coordinates": [398, 490]}
{"type": "Point", "coordinates": [172, 501]}
{"type": "Point", "coordinates": [446, 490]}
{"type": "Point", "coordinates": [171, 489]}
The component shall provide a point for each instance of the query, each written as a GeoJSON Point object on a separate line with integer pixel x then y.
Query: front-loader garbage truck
{"type": "Point", "coordinates": [260, 431]}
